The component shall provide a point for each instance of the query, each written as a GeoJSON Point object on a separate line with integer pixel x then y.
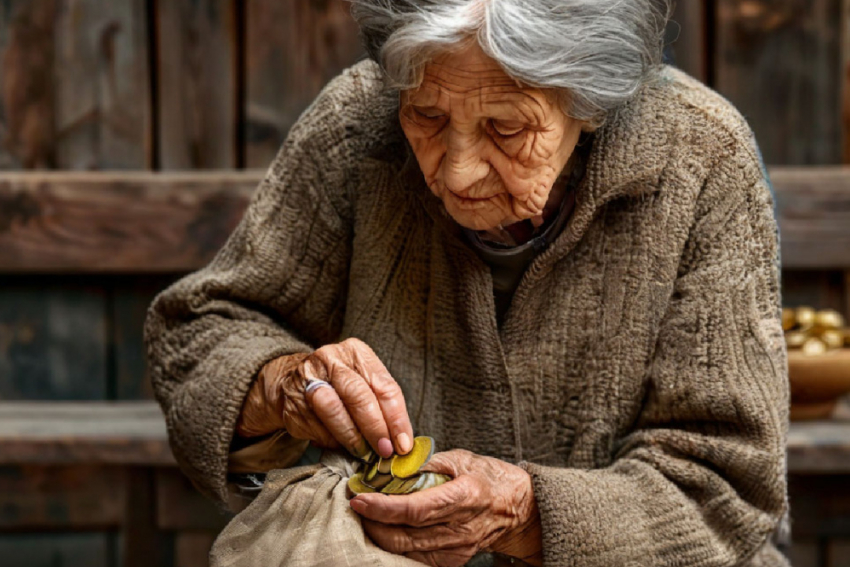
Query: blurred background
{"type": "Point", "coordinates": [132, 133]}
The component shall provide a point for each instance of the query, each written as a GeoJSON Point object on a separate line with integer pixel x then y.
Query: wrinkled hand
{"type": "Point", "coordinates": [489, 506]}
{"type": "Point", "coordinates": [364, 407]}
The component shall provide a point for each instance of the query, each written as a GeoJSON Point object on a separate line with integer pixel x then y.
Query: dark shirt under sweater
{"type": "Point", "coordinates": [509, 263]}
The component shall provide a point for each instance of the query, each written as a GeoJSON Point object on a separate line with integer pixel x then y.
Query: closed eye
{"type": "Point", "coordinates": [506, 129]}
{"type": "Point", "coordinates": [428, 113]}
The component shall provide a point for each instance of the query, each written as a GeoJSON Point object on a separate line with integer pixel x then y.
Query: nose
{"type": "Point", "coordinates": [463, 166]}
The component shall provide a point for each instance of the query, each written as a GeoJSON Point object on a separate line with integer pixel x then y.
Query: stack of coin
{"type": "Point", "coordinates": [398, 474]}
{"type": "Point", "coordinates": [814, 332]}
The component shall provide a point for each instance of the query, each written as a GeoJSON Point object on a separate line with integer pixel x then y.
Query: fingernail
{"type": "Point", "coordinates": [358, 505]}
{"type": "Point", "coordinates": [361, 450]}
{"type": "Point", "coordinates": [385, 447]}
{"type": "Point", "coordinates": [404, 443]}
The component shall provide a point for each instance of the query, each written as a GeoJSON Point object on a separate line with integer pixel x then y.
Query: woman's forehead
{"type": "Point", "coordinates": [467, 71]}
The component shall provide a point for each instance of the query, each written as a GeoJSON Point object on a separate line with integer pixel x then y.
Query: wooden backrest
{"type": "Point", "coordinates": [174, 222]}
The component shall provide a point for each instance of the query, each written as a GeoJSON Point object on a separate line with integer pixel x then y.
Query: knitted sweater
{"type": "Point", "coordinates": [639, 377]}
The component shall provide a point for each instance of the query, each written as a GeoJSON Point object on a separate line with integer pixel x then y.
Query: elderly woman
{"type": "Point", "coordinates": [513, 230]}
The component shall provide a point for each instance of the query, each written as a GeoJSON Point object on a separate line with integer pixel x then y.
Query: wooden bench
{"type": "Point", "coordinates": [175, 222]}
{"type": "Point", "coordinates": [87, 467]}
{"type": "Point", "coordinates": [106, 466]}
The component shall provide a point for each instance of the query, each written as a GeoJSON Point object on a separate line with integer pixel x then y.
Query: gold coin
{"type": "Point", "coordinates": [405, 466]}
{"type": "Point", "coordinates": [829, 319]}
{"type": "Point", "coordinates": [356, 485]}
{"type": "Point", "coordinates": [795, 339]}
{"type": "Point", "coordinates": [814, 346]}
{"type": "Point", "coordinates": [805, 318]}
{"type": "Point", "coordinates": [789, 319]}
{"type": "Point", "coordinates": [833, 339]}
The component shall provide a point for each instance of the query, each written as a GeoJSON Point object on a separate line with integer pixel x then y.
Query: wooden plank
{"type": "Point", "coordinates": [292, 50]}
{"type": "Point", "coordinates": [688, 31]}
{"type": "Point", "coordinates": [820, 506]}
{"type": "Point", "coordinates": [845, 77]}
{"type": "Point", "coordinates": [71, 497]}
{"type": "Point", "coordinates": [116, 433]}
{"type": "Point", "coordinates": [777, 62]}
{"type": "Point", "coordinates": [130, 299]}
{"type": "Point", "coordinates": [847, 294]}
{"type": "Point", "coordinates": [56, 550]}
{"type": "Point", "coordinates": [142, 544]}
{"type": "Point", "coordinates": [103, 104]}
{"type": "Point", "coordinates": [129, 222]}
{"type": "Point", "coordinates": [821, 289]}
{"type": "Point", "coordinates": [819, 447]}
{"type": "Point", "coordinates": [86, 222]}
{"type": "Point", "coordinates": [197, 70]}
{"type": "Point", "coordinates": [813, 210]}
{"type": "Point", "coordinates": [27, 34]}
{"type": "Point", "coordinates": [838, 552]}
{"type": "Point", "coordinates": [179, 507]}
{"type": "Point", "coordinates": [805, 553]}
{"type": "Point", "coordinates": [192, 549]}
{"type": "Point", "coordinates": [52, 341]}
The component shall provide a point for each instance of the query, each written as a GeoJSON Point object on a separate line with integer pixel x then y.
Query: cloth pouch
{"type": "Point", "coordinates": [302, 518]}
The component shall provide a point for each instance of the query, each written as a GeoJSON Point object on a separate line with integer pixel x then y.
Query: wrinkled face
{"type": "Point", "coordinates": [488, 147]}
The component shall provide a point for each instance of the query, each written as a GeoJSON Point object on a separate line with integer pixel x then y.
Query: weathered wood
{"type": "Point", "coordinates": [192, 549]}
{"type": "Point", "coordinates": [52, 341]}
{"type": "Point", "coordinates": [27, 34]}
{"type": "Point", "coordinates": [845, 77]}
{"type": "Point", "coordinates": [778, 61]}
{"type": "Point", "coordinates": [813, 210]}
{"type": "Point", "coordinates": [689, 32]}
{"type": "Point", "coordinates": [821, 289]}
{"type": "Point", "coordinates": [56, 550]}
{"type": "Point", "coordinates": [805, 553]}
{"type": "Point", "coordinates": [139, 222]}
{"type": "Point", "coordinates": [847, 294]}
{"type": "Point", "coordinates": [102, 84]}
{"type": "Point", "coordinates": [117, 433]}
{"type": "Point", "coordinates": [820, 505]}
{"type": "Point", "coordinates": [130, 222]}
{"type": "Point", "coordinates": [292, 50]}
{"type": "Point", "coordinates": [131, 298]}
{"type": "Point", "coordinates": [70, 497]}
{"type": "Point", "coordinates": [819, 447]}
{"type": "Point", "coordinates": [838, 552]}
{"type": "Point", "coordinates": [180, 507]}
{"type": "Point", "coordinates": [197, 73]}
{"type": "Point", "coordinates": [142, 544]}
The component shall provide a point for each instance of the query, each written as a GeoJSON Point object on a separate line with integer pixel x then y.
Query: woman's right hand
{"type": "Point", "coordinates": [363, 407]}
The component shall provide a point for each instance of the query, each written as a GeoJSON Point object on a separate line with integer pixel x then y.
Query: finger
{"type": "Point", "coordinates": [306, 425]}
{"type": "Point", "coordinates": [445, 557]}
{"type": "Point", "coordinates": [403, 539]}
{"type": "Point", "coordinates": [426, 508]}
{"type": "Point", "coordinates": [332, 414]}
{"type": "Point", "coordinates": [453, 463]}
{"type": "Point", "coordinates": [389, 395]}
{"type": "Point", "coordinates": [362, 406]}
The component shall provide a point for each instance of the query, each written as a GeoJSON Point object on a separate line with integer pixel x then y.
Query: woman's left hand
{"type": "Point", "coordinates": [488, 506]}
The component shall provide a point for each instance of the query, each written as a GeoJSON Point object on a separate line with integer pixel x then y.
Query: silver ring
{"type": "Point", "coordinates": [314, 384]}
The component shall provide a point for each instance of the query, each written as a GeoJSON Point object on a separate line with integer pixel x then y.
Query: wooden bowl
{"type": "Point", "coordinates": [817, 382]}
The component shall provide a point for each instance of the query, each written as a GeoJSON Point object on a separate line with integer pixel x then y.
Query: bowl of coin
{"type": "Point", "coordinates": [818, 360]}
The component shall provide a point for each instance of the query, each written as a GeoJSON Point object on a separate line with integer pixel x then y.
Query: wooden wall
{"type": "Point", "coordinates": [170, 85]}
{"type": "Point", "coordinates": [160, 85]}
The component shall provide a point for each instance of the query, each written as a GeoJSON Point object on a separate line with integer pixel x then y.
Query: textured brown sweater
{"type": "Point", "coordinates": [639, 376]}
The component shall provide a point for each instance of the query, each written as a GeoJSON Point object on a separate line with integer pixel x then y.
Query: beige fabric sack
{"type": "Point", "coordinates": [301, 518]}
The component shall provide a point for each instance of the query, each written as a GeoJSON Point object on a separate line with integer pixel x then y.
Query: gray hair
{"type": "Point", "coordinates": [595, 53]}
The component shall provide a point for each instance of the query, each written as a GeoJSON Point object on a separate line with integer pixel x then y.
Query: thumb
{"type": "Point", "coordinates": [452, 463]}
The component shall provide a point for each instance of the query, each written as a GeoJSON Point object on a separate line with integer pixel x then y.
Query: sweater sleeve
{"type": "Point", "coordinates": [699, 480]}
{"type": "Point", "coordinates": [277, 287]}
